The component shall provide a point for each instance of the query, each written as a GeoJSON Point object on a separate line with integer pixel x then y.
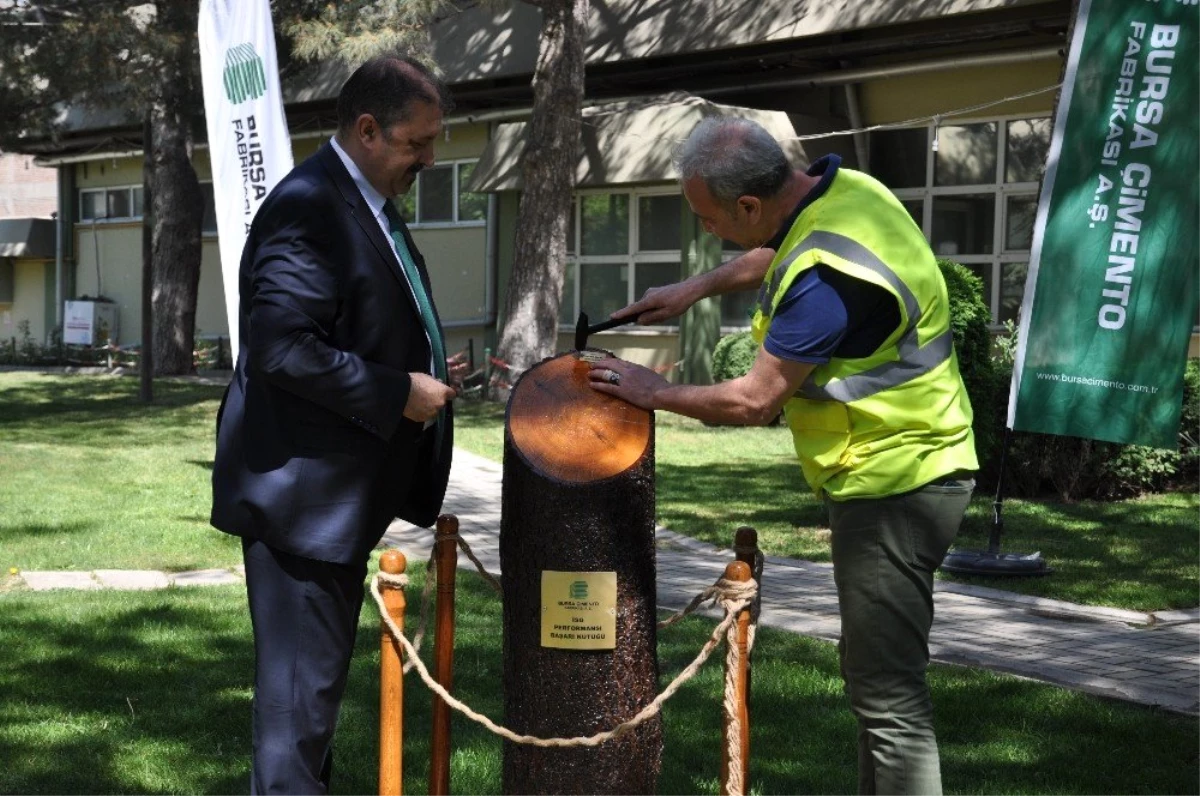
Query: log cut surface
{"type": "Point", "coordinates": [566, 430]}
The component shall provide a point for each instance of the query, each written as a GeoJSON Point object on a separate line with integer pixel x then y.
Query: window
{"type": "Point", "coordinates": [208, 226]}
{"type": "Point", "coordinates": [111, 204]}
{"type": "Point", "coordinates": [620, 244]}
{"type": "Point", "coordinates": [439, 197]}
{"type": "Point", "coordinates": [975, 195]}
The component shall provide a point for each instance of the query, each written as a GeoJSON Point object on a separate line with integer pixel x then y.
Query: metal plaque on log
{"type": "Point", "coordinates": [579, 610]}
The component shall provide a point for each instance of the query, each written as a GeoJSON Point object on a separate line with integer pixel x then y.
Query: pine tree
{"type": "Point", "coordinates": [549, 163]}
{"type": "Point", "coordinates": [140, 61]}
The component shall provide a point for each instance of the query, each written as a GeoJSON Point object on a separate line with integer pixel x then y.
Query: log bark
{"type": "Point", "coordinates": [578, 497]}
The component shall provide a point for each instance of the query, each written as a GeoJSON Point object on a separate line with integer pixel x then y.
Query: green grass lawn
{"type": "Point", "coordinates": [126, 692]}
{"type": "Point", "coordinates": [93, 479]}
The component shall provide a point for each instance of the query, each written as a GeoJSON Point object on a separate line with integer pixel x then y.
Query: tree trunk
{"type": "Point", "coordinates": [577, 507]}
{"type": "Point", "coordinates": [178, 203]}
{"type": "Point", "coordinates": [549, 163]}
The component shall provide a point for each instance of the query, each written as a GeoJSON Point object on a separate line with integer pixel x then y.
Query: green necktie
{"type": "Point", "coordinates": [418, 288]}
{"type": "Point", "coordinates": [434, 334]}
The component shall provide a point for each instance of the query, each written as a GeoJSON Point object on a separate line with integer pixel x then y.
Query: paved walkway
{"type": "Point", "coordinates": [1152, 659]}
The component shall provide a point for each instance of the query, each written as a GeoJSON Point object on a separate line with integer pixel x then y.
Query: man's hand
{"type": "Point", "coordinates": [627, 381]}
{"type": "Point", "coordinates": [660, 304]}
{"type": "Point", "coordinates": [426, 397]}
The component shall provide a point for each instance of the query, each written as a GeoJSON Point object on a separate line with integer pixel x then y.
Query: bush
{"type": "Point", "coordinates": [733, 356]}
{"type": "Point", "coordinates": [1078, 469]}
{"type": "Point", "coordinates": [969, 319]}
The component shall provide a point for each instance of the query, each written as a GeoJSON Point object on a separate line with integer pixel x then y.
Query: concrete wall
{"type": "Point", "coordinates": [897, 99]}
{"type": "Point", "coordinates": [26, 189]}
{"type": "Point", "coordinates": [29, 301]}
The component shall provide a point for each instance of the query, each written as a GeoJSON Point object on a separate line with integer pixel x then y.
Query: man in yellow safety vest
{"type": "Point", "coordinates": [853, 324]}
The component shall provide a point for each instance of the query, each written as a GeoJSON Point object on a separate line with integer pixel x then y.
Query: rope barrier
{"type": "Point", "coordinates": [733, 741]}
{"type": "Point", "coordinates": [733, 596]}
{"type": "Point", "coordinates": [430, 582]}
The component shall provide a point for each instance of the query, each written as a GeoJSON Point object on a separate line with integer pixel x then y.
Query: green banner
{"type": "Point", "coordinates": [1111, 296]}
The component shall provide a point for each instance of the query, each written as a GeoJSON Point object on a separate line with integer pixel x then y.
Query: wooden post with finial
{"type": "Point", "coordinates": [745, 543]}
{"type": "Point", "coordinates": [738, 571]}
{"type": "Point", "coordinates": [446, 554]}
{"type": "Point", "coordinates": [577, 552]}
{"type": "Point", "coordinates": [391, 682]}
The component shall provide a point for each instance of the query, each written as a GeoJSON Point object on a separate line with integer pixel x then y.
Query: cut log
{"type": "Point", "coordinates": [578, 504]}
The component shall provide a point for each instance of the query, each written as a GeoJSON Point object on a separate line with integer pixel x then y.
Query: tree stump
{"type": "Point", "coordinates": [577, 505]}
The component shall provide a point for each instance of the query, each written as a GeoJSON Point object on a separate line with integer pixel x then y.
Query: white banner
{"type": "Point", "coordinates": [248, 140]}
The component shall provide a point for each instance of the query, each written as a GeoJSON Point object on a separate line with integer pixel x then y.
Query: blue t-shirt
{"type": "Point", "coordinates": [826, 313]}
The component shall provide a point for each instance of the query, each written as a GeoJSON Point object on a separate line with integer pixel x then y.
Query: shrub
{"type": "Point", "coordinates": [1189, 425]}
{"type": "Point", "coordinates": [1077, 469]}
{"type": "Point", "coordinates": [969, 318]}
{"type": "Point", "coordinates": [733, 356]}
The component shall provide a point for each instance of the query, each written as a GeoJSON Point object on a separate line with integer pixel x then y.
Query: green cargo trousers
{"type": "Point", "coordinates": [885, 551]}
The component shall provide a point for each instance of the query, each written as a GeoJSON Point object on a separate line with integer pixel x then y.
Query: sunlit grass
{"type": "Point", "coordinates": [137, 692]}
{"type": "Point", "coordinates": [95, 479]}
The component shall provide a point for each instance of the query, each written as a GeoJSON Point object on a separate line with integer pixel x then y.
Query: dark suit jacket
{"type": "Point", "coordinates": [314, 455]}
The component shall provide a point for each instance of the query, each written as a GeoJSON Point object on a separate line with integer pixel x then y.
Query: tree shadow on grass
{"type": "Point", "coordinates": [114, 692]}
{"type": "Point", "coordinates": [1135, 554]}
{"type": "Point", "coordinates": [27, 530]}
{"type": "Point", "coordinates": [117, 693]}
{"type": "Point", "coordinates": [82, 409]}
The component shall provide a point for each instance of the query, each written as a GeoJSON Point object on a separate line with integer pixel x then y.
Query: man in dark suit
{"type": "Point", "coordinates": [338, 418]}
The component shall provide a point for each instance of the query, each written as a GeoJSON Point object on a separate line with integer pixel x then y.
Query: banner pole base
{"type": "Point", "coordinates": [991, 563]}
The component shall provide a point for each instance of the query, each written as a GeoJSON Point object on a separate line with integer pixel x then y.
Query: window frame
{"type": "Point", "coordinates": [104, 191]}
{"type": "Point", "coordinates": [456, 221]}
{"type": "Point", "coordinates": [1001, 190]}
{"type": "Point", "coordinates": [634, 255]}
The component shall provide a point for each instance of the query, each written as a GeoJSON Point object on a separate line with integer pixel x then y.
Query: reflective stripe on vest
{"type": "Point", "coordinates": [914, 359]}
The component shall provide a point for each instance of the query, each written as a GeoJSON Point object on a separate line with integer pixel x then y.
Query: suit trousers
{"type": "Point", "coordinates": [885, 551]}
{"type": "Point", "coordinates": [305, 618]}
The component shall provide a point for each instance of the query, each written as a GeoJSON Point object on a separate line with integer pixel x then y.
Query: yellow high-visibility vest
{"type": "Point", "coordinates": [900, 418]}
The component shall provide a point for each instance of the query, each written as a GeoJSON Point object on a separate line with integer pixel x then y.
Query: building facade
{"type": "Point", "coordinates": [949, 104]}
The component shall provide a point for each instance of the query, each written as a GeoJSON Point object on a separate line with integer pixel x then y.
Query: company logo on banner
{"type": "Point", "coordinates": [248, 141]}
{"type": "Point", "coordinates": [245, 77]}
{"type": "Point", "coordinates": [1111, 296]}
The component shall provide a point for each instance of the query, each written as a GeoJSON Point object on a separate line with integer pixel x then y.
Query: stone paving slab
{"type": "Point", "coordinates": [1177, 617]}
{"type": "Point", "coordinates": [132, 579]}
{"type": "Point", "coordinates": [46, 581]}
{"type": "Point", "coordinates": [206, 577]}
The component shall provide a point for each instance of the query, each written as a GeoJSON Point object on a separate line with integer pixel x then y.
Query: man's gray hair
{"type": "Point", "coordinates": [733, 157]}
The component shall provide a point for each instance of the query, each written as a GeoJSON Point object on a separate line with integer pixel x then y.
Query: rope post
{"type": "Point", "coordinates": [736, 735]}
{"type": "Point", "coordinates": [446, 554]}
{"type": "Point", "coordinates": [745, 544]}
{"type": "Point", "coordinates": [391, 682]}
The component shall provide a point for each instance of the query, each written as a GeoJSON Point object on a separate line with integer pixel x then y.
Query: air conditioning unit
{"type": "Point", "coordinates": [93, 323]}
